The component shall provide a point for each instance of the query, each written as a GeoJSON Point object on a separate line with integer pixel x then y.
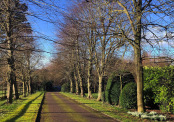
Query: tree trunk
{"type": "Point", "coordinates": [26, 86]}
{"type": "Point", "coordinates": [89, 89]}
{"type": "Point", "coordinates": [11, 76]}
{"type": "Point", "coordinates": [121, 87]}
{"type": "Point", "coordinates": [9, 91]}
{"type": "Point", "coordinates": [77, 85]}
{"type": "Point", "coordinates": [31, 85]}
{"type": "Point", "coordinates": [89, 77]}
{"type": "Point", "coordinates": [121, 84]}
{"type": "Point", "coordinates": [11, 69]}
{"type": "Point", "coordinates": [100, 88]}
{"type": "Point", "coordinates": [16, 89]}
{"type": "Point", "coordinates": [71, 85]}
{"type": "Point", "coordinates": [81, 87]}
{"type": "Point", "coordinates": [81, 81]}
{"type": "Point", "coordinates": [28, 72]}
{"type": "Point", "coordinates": [24, 89]}
{"type": "Point", "coordinates": [77, 88]}
{"type": "Point", "coordinates": [139, 79]}
{"type": "Point", "coordinates": [138, 59]}
{"type": "Point", "coordinates": [9, 60]}
{"type": "Point", "coordinates": [94, 88]}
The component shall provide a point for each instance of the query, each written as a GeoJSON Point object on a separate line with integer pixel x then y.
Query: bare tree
{"type": "Point", "coordinates": [138, 13]}
{"type": "Point", "coordinates": [14, 24]}
{"type": "Point", "coordinates": [106, 44]}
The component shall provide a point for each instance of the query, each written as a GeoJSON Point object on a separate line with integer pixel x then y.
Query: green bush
{"type": "Point", "coordinates": [115, 93]}
{"type": "Point", "coordinates": [65, 87]}
{"type": "Point", "coordinates": [149, 99]}
{"type": "Point", "coordinates": [128, 97]}
{"type": "Point", "coordinates": [112, 91]}
{"type": "Point", "coordinates": [161, 82]}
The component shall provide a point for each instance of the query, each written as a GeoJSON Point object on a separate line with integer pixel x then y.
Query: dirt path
{"type": "Point", "coordinates": [58, 108]}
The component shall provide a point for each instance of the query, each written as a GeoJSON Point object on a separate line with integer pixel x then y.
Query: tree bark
{"type": "Point", "coordinates": [136, 25]}
{"type": "Point", "coordinates": [10, 59]}
{"type": "Point", "coordinates": [29, 72]}
{"type": "Point", "coordinates": [138, 59]}
{"type": "Point", "coordinates": [9, 91]}
{"type": "Point", "coordinates": [71, 85]}
{"type": "Point", "coordinates": [100, 88]}
{"type": "Point", "coordinates": [139, 79]}
{"type": "Point", "coordinates": [16, 88]}
{"type": "Point", "coordinates": [81, 83]}
{"type": "Point", "coordinates": [27, 88]}
{"type": "Point", "coordinates": [31, 84]}
{"type": "Point", "coordinates": [89, 77]}
{"type": "Point", "coordinates": [24, 89]}
{"type": "Point", "coordinates": [28, 83]}
{"type": "Point", "coordinates": [77, 84]}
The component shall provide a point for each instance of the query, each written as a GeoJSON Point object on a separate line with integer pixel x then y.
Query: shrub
{"type": "Point", "coordinates": [128, 97]}
{"type": "Point", "coordinates": [161, 82]}
{"type": "Point", "coordinates": [115, 93]}
{"type": "Point", "coordinates": [65, 87]}
{"type": "Point", "coordinates": [149, 99]}
{"type": "Point", "coordinates": [112, 91]}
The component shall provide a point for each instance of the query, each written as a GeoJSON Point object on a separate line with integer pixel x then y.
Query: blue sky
{"type": "Point", "coordinates": [49, 29]}
{"type": "Point", "coordinates": [46, 28]}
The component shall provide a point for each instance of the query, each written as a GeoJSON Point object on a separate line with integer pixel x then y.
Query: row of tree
{"type": "Point", "coordinates": [16, 48]}
{"type": "Point", "coordinates": [92, 37]}
{"type": "Point", "coordinates": [95, 33]}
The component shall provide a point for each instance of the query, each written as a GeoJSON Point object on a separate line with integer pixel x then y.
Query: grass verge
{"type": "Point", "coordinates": [94, 95]}
{"type": "Point", "coordinates": [109, 110]}
{"type": "Point", "coordinates": [2, 102]}
{"type": "Point", "coordinates": [25, 109]}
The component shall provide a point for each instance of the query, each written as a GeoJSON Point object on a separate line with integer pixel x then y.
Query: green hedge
{"type": "Point", "coordinates": [128, 97]}
{"type": "Point", "coordinates": [65, 87]}
{"type": "Point", "coordinates": [113, 87]}
{"type": "Point", "coordinates": [115, 93]}
{"type": "Point", "coordinates": [160, 81]}
{"type": "Point", "coordinates": [112, 91]}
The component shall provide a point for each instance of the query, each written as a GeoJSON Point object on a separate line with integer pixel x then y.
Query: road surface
{"type": "Point", "coordinates": [59, 108]}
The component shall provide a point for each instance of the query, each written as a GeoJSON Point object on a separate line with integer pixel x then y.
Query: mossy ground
{"type": "Point", "coordinates": [24, 109]}
{"type": "Point", "coordinates": [2, 102]}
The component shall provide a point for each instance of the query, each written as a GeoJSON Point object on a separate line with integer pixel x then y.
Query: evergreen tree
{"type": "Point", "coordinates": [14, 26]}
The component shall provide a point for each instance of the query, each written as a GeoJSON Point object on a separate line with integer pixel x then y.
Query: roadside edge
{"type": "Point", "coordinates": [37, 119]}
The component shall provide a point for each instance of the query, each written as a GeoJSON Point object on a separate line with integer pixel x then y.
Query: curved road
{"type": "Point", "coordinates": [59, 108]}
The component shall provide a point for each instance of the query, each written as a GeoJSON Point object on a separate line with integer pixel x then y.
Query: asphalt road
{"type": "Point", "coordinates": [59, 108]}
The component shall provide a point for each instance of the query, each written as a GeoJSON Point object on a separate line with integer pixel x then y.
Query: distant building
{"type": "Point", "coordinates": [157, 61]}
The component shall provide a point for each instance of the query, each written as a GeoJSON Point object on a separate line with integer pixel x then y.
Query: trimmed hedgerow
{"type": "Point", "coordinates": [128, 97]}
{"type": "Point", "coordinates": [65, 87]}
{"type": "Point", "coordinates": [112, 91]}
{"type": "Point", "coordinates": [115, 93]}
{"type": "Point", "coordinates": [113, 88]}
